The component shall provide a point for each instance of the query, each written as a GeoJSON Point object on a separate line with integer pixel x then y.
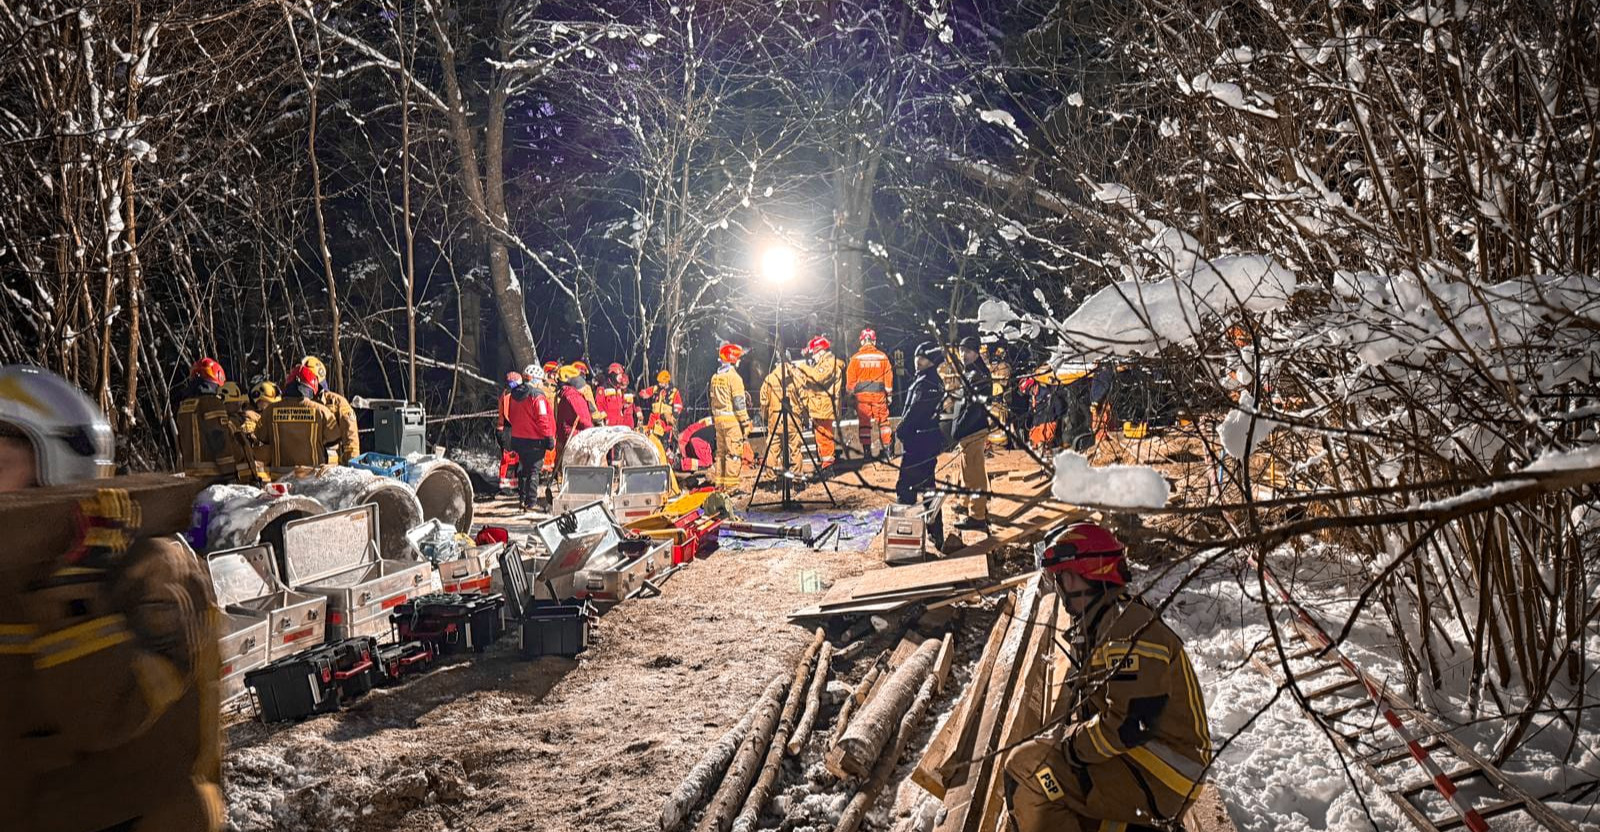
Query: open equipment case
{"type": "Point", "coordinates": [336, 555]}
{"type": "Point", "coordinates": [555, 624]}
{"type": "Point", "coordinates": [247, 585]}
{"type": "Point", "coordinates": [643, 491]}
{"type": "Point", "coordinates": [584, 484]}
{"type": "Point", "coordinates": [615, 564]}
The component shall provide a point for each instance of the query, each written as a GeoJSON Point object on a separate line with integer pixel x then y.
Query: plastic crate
{"type": "Point", "coordinates": [556, 628]}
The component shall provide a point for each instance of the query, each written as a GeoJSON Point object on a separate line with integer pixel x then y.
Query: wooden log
{"type": "Point", "coordinates": [872, 729]}
{"type": "Point", "coordinates": [730, 795]}
{"type": "Point", "coordinates": [965, 778]}
{"type": "Point", "coordinates": [808, 718]}
{"type": "Point", "coordinates": [762, 790]}
{"type": "Point", "coordinates": [953, 740]}
{"type": "Point", "coordinates": [855, 698]}
{"type": "Point", "coordinates": [705, 775]}
{"type": "Point", "coordinates": [1024, 715]}
{"type": "Point", "coordinates": [856, 810]}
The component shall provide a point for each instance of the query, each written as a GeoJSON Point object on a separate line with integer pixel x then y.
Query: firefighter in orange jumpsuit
{"type": "Point", "coordinates": [820, 379]}
{"type": "Point", "coordinates": [1129, 739]}
{"type": "Point", "coordinates": [664, 405]}
{"type": "Point", "coordinates": [869, 376]}
{"type": "Point", "coordinates": [730, 416]}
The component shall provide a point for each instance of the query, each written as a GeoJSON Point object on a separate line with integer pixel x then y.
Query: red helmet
{"type": "Point", "coordinates": [583, 367]}
{"type": "Point", "coordinates": [304, 376]}
{"type": "Point", "coordinates": [209, 370]}
{"type": "Point", "coordinates": [1089, 550]}
{"type": "Point", "coordinates": [513, 378]}
{"type": "Point", "coordinates": [550, 367]}
{"type": "Point", "coordinates": [730, 353]}
{"type": "Point", "coordinates": [817, 344]}
{"type": "Point", "coordinates": [869, 336]}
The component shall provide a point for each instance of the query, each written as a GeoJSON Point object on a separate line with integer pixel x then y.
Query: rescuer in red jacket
{"type": "Point", "coordinates": [533, 431]}
{"type": "Point", "coordinates": [615, 396]}
{"type": "Point", "coordinates": [572, 409]}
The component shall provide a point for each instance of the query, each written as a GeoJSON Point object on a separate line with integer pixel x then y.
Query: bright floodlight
{"type": "Point", "coordinates": [778, 264]}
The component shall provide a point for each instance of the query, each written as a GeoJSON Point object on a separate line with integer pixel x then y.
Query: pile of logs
{"type": "Point", "coordinates": [1004, 703]}
{"type": "Point", "coordinates": [737, 776]}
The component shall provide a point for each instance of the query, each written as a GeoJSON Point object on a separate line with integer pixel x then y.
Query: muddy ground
{"type": "Point", "coordinates": [499, 743]}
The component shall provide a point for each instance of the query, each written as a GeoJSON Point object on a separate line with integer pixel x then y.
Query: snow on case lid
{"type": "Point", "coordinates": [327, 544]}
{"type": "Point", "coordinates": [585, 479]}
{"type": "Point", "coordinates": [592, 531]}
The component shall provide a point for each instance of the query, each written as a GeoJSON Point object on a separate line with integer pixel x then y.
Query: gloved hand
{"type": "Point", "coordinates": [504, 437]}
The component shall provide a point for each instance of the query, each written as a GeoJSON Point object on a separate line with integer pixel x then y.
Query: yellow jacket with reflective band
{"type": "Point", "coordinates": [821, 378]}
{"type": "Point", "coordinates": [294, 432]}
{"type": "Point", "coordinates": [729, 402]}
{"type": "Point", "coordinates": [772, 393]}
{"type": "Point", "coordinates": [108, 668]}
{"type": "Point", "coordinates": [1136, 695]}
{"type": "Point", "coordinates": [347, 437]}
{"type": "Point", "coordinates": [211, 439]}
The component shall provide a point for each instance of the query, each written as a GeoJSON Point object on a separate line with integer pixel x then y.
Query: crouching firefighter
{"type": "Point", "coordinates": [108, 650]}
{"type": "Point", "coordinates": [1128, 739]}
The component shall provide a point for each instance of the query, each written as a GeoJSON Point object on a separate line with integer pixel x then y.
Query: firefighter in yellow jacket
{"type": "Point", "coordinates": [730, 417]}
{"type": "Point", "coordinates": [772, 396]}
{"type": "Point", "coordinates": [1128, 741]}
{"type": "Point", "coordinates": [346, 440]}
{"type": "Point", "coordinates": [108, 652]}
{"type": "Point", "coordinates": [295, 430]}
{"type": "Point", "coordinates": [821, 376]}
{"type": "Point", "coordinates": [212, 434]}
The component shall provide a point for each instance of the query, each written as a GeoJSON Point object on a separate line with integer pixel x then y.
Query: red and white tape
{"type": "Point", "coordinates": [1380, 700]}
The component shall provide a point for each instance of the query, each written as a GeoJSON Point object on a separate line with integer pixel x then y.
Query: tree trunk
{"type": "Point", "coordinates": [873, 727]}
{"type": "Point", "coordinates": [705, 775]}
{"type": "Point", "coordinates": [130, 395]}
{"type": "Point", "coordinates": [730, 795]}
{"type": "Point", "coordinates": [775, 753]}
{"type": "Point", "coordinates": [856, 810]}
{"type": "Point", "coordinates": [819, 680]}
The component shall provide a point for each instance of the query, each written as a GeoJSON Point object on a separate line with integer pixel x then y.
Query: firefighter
{"type": "Point", "coordinates": [772, 398]}
{"type": "Point", "coordinates": [730, 416]}
{"type": "Point", "coordinates": [531, 431]}
{"type": "Point", "coordinates": [920, 437]}
{"type": "Point", "coordinates": [573, 414]}
{"type": "Point", "coordinates": [1130, 740]}
{"type": "Point", "coordinates": [262, 393]}
{"type": "Point", "coordinates": [1045, 409]}
{"type": "Point", "coordinates": [615, 397]}
{"type": "Point", "coordinates": [295, 430]}
{"type": "Point", "coordinates": [109, 700]}
{"type": "Point", "coordinates": [970, 430]}
{"type": "Point", "coordinates": [695, 451]}
{"type": "Point", "coordinates": [869, 376]}
{"type": "Point", "coordinates": [346, 441]}
{"type": "Point", "coordinates": [1000, 398]}
{"type": "Point", "coordinates": [821, 377]}
{"type": "Point", "coordinates": [212, 442]}
{"type": "Point", "coordinates": [665, 404]}
{"type": "Point", "coordinates": [585, 386]}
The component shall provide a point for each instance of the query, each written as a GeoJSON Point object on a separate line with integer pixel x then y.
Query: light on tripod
{"type": "Point", "coordinates": [778, 264]}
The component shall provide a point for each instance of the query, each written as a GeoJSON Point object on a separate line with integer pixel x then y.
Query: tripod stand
{"type": "Point", "coordinates": [788, 421]}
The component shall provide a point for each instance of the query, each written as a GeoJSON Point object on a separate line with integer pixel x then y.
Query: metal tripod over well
{"type": "Point", "coordinates": [787, 421]}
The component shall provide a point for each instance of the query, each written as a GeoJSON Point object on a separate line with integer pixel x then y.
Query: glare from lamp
{"type": "Point", "coordinates": [778, 264]}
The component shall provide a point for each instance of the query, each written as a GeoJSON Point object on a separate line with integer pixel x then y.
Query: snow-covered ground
{"type": "Point", "coordinates": [1277, 768]}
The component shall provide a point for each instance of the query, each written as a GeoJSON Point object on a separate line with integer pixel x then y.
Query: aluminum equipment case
{"type": "Point", "coordinates": [642, 492]}
{"type": "Point", "coordinates": [582, 485]}
{"type": "Point", "coordinates": [243, 647]}
{"type": "Point", "coordinates": [247, 584]}
{"type": "Point", "coordinates": [451, 622]}
{"type": "Point", "coordinates": [905, 530]}
{"type": "Point", "coordinates": [314, 681]}
{"type": "Point", "coordinates": [614, 567]}
{"type": "Point", "coordinates": [546, 626]}
{"type": "Point", "coordinates": [336, 556]}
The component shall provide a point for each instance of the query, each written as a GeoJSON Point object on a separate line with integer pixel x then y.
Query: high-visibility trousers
{"type": "Point", "coordinates": [975, 474]}
{"type": "Point", "coordinates": [1043, 436]}
{"type": "Point", "coordinates": [1046, 792]}
{"type": "Point", "coordinates": [823, 428]}
{"type": "Point", "coordinates": [873, 409]}
{"type": "Point", "coordinates": [730, 455]}
{"type": "Point", "coordinates": [773, 456]}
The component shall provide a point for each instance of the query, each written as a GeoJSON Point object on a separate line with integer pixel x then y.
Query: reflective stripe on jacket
{"type": "Point", "coordinates": [869, 371]}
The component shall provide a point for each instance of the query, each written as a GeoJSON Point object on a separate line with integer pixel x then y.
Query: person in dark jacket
{"type": "Point", "coordinates": [971, 431]}
{"type": "Point", "coordinates": [533, 431]}
{"type": "Point", "coordinates": [919, 434]}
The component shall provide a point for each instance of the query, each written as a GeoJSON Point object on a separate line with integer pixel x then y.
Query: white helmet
{"type": "Point", "coordinates": [71, 438]}
{"type": "Point", "coordinates": [533, 373]}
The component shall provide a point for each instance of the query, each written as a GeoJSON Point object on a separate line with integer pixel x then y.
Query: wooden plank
{"type": "Point", "coordinates": [965, 779]}
{"type": "Point", "coordinates": [941, 665]}
{"type": "Point", "coordinates": [904, 649]}
{"type": "Point", "coordinates": [919, 576]}
{"type": "Point", "coordinates": [1020, 533]}
{"type": "Point", "coordinates": [916, 593]}
{"type": "Point", "coordinates": [1024, 711]}
{"type": "Point", "coordinates": [975, 594]}
{"type": "Point", "coordinates": [954, 738]}
{"type": "Point", "coordinates": [840, 592]}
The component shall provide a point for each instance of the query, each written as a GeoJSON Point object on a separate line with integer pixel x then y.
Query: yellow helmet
{"type": "Point", "coordinates": [568, 373]}
{"type": "Point", "coordinates": [663, 377]}
{"type": "Point", "coordinates": [231, 392]}
{"type": "Point", "coordinates": [316, 366]}
{"type": "Point", "coordinates": [265, 391]}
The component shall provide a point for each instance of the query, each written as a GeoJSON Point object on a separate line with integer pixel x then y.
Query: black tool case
{"type": "Point", "coordinates": [546, 626]}
{"type": "Point", "coordinates": [400, 660]}
{"type": "Point", "coordinates": [314, 681]}
{"type": "Point", "coordinates": [451, 621]}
